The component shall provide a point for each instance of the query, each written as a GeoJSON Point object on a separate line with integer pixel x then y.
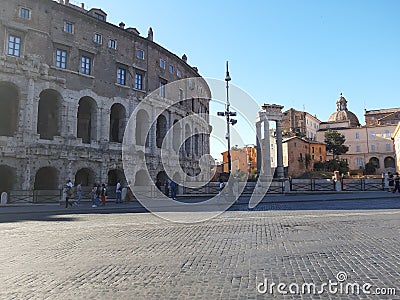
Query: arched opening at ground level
{"type": "Point", "coordinates": [49, 114]}
{"type": "Point", "coordinates": [114, 176]}
{"type": "Point", "coordinates": [47, 179]}
{"type": "Point", "coordinates": [389, 162]}
{"type": "Point", "coordinates": [86, 177]}
{"type": "Point", "coordinates": [7, 179]}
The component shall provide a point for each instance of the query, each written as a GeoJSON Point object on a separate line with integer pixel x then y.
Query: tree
{"type": "Point", "coordinates": [335, 143]}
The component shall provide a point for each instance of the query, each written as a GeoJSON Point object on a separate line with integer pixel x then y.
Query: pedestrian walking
{"type": "Point", "coordinates": [94, 195]}
{"type": "Point", "coordinates": [118, 190]}
{"type": "Point", "coordinates": [166, 188]}
{"type": "Point", "coordinates": [173, 186]}
{"type": "Point", "coordinates": [103, 194]}
{"type": "Point", "coordinates": [79, 193]}
{"type": "Point", "coordinates": [158, 184]}
{"type": "Point", "coordinates": [68, 193]}
{"type": "Point", "coordinates": [221, 186]}
{"type": "Point", "coordinates": [98, 194]}
{"type": "Point", "coordinates": [391, 182]}
{"type": "Point", "coordinates": [396, 183]}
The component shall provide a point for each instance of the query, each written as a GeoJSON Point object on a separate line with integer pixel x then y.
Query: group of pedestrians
{"type": "Point", "coordinates": [98, 194]}
{"type": "Point", "coordinates": [170, 188]}
{"type": "Point", "coordinates": [394, 182]}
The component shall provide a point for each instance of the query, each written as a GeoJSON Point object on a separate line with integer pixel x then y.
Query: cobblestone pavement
{"type": "Point", "coordinates": [139, 256]}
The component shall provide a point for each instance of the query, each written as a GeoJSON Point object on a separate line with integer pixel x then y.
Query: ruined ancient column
{"type": "Point", "coordinates": [279, 148]}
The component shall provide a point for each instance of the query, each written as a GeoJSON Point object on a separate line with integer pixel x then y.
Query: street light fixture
{"type": "Point", "coordinates": [229, 121]}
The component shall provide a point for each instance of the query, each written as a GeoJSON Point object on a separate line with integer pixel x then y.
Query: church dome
{"type": "Point", "coordinates": [343, 114]}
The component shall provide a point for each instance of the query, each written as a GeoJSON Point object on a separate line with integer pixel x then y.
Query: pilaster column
{"type": "Point", "coordinates": [279, 149]}
{"type": "Point", "coordinates": [258, 145]}
{"type": "Point", "coordinates": [266, 153]}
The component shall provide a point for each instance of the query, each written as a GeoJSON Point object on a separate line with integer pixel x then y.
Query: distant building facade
{"type": "Point", "coordinates": [300, 123]}
{"type": "Point", "coordinates": [389, 116]}
{"type": "Point", "coordinates": [367, 144]}
{"type": "Point", "coordinates": [300, 155]}
{"type": "Point", "coordinates": [69, 81]}
{"type": "Point", "coordinates": [243, 159]}
{"type": "Point", "coordinates": [396, 141]}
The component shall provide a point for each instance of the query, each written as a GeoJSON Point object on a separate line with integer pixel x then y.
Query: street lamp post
{"type": "Point", "coordinates": [229, 121]}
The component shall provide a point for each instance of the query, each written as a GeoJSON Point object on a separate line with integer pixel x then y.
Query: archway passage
{"type": "Point", "coordinates": [85, 176]}
{"type": "Point", "coordinates": [177, 132]}
{"type": "Point", "coordinates": [87, 120]}
{"type": "Point", "coordinates": [117, 123]}
{"type": "Point", "coordinates": [7, 176]}
{"type": "Point", "coordinates": [142, 124]}
{"type": "Point", "coordinates": [49, 114]}
{"type": "Point", "coordinates": [389, 162]}
{"type": "Point", "coordinates": [161, 130]}
{"type": "Point", "coordinates": [46, 179]}
{"type": "Point", "coordinates": [375, 162]}
{"type": "Point", "coordinates": [9, 102]}
{"type": "Point", "coordinates": [114, 176]}
{"type": "Point", "coordinates": [142, 178]}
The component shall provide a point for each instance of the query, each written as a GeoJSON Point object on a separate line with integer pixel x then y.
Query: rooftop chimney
{"type": "Point", "coordinates": [150, 34]}
{"type": "Point", "coordinates": [122, 25]}
{"type": "Point", "coordinates": [184, 57]}
{"type": "Point", "coordinates": [83, 5]}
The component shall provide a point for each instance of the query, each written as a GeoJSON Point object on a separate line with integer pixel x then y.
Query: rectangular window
{"type": "Point", "coordinates": [373, 148]}
{"type": "Point", "coordinates": [372, 134]}
{"type": "Point", "coordinates": [61, 59]}
{"type": "Point", "coordinates": [388, 148]}
{"type": "Point", "coordinates": [140, 54]}
{"type": "Point", "coordinates": [162, 64]}
{"type": "Point", "coordinates": [121, 76]}
{"type": "Point", "coordinates": [14, 45]}
{"type": "Point", "coordinates": [162, 88]}
{"type": "Point", "coordinates": [138, 81]}
{"type": "Point", "coordinates": [358, 148]}
{"type": "Point", "coordinates": [86, 65]}
{"type": "Point", "coordinates": [112, 44]}
{"type": "Point", "coordinates": [357, 135]}
{"type": "Point", "coordinates": [24, 13]}
{"type": "Point", "coordinates": [171, 69]}
{"type": "Point", "coordinates": [360, 162]}
{"type": "Point", "coordinates": [180, 95]}
{"type": "Point", "coordinates": [68, 27]}
{"type": "Point", "coordinates": [178, 73]}
{"type": "Point", "coordinates": [98, 39]}
{"type": "Point", "coordinates": [99, 17]}
{"type": "Point", "coordinates": [387, 133]}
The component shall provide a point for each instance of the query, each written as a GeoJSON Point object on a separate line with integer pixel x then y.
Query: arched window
{"type": "Point", "coordinates": [87, 120]}
{"type": "Point", "coordinates": [117, 123]}
{"type": "Point", "coordinates": [49, 114]}
{"type": "Point", "coordinates": [161, 130]}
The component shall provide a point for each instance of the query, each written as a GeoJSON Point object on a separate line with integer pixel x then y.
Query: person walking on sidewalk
{"type": "Point", "coordinates": [396, 183]}
{"type": "Point", "coordinates": [103, 194]}
{"type": "Point", "coordinates": [118, 192]}
{"type": "Point", "coordinates": [79, 193]}
{"type": "Point", "coordinates": [173, 190]}
{"type": "Point", "coordinates": [68, 193]}
{"type": "Point", "coordinates": [93, 194]}
{"type": "Point", "coordinates": [391, 182]}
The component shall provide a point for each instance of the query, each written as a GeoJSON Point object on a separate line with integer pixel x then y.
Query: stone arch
{"type": "Point", "coordinates": [46, 179]}
{"type": "Point", "coordinates": [375, 162]}
{"type": "Point", "coordinates": [9, 107]}
{"type": "Point", "coordinates": [49, 114]}
{"type": "Point", "coordinates": [7, 175]}
{"type": "Point", "coordinates": [161, 130]}
{"type": "Point", "coordinates": [114, 175]}
{"type": "Point", "coordinates": [177, 135]}
{"type": "Point", "coordinates": [141, 178]}
{"type": "Point", "coordinates": [389, 162]}
{"type": "Point", "coordinates": [188, 140]}
{"type": "Point", "coordinates": [162, 177]}
{"type": "Point", "coordinates": [117, 123]}
{"type": "Point", "coordinates": [142, 126]}
{"type": "Point", "coordinates": [87, 119]}
{"type": "Point", "coordinates": [85, 176]}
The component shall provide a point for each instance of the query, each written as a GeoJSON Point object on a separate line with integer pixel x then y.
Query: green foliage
{"type": "Point", "coordinates": [319, 166]}
{"type": "Point", "coordinates": [335, 143]}
{"type": "Point", "coordinates": [340, 165]}
{"type": "Point", "coordinates": [307, 160]}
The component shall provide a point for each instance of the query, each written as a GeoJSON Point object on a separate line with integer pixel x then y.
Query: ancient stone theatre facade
{"type": "Point", "coordinates": [69, 81]}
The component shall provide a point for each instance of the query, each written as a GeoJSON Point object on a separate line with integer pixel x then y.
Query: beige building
{"type": "Point", "coordinates": [69, 81]}
{"type": "Point", "coordinates": [371, 143]}
{"type": "Point", "coordinates": [396, 141]}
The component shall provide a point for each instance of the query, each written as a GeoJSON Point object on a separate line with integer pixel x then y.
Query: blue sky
{"type": "Point", "coordinates": [300, 54]}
